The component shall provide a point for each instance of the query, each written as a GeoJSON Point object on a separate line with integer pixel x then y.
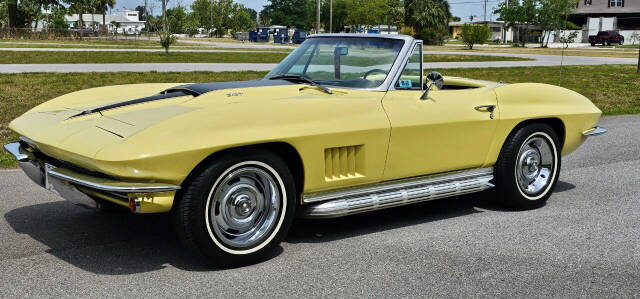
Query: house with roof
{"type": "Point", "coordinates": [124, 22]}
{"type": "Point", "coordinates": [602, 15]}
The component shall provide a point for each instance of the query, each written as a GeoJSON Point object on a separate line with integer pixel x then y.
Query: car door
{"type": "Point", "coordinates": [450, 130]}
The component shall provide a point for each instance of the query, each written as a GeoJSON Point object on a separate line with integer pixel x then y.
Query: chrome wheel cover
{"type": "Point", "coordinates": [244, 207]}
{"type": "Point", "coordinates": [535, 165]}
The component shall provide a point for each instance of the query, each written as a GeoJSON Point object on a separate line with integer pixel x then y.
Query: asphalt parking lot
{"type": "Point", "coordinates": [584, 243]}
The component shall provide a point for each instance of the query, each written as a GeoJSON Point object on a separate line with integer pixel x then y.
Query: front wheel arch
{"type": "Point", "coordinates": [555, 123]}
{"type": "Point", "coordinates": [282, 149]}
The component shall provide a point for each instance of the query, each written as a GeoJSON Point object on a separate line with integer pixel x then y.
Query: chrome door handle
{"type": "Point", "coordinates": [486, 108]}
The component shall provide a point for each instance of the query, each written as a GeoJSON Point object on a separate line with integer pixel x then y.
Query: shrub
{"type": "Point", "coordinates": [166, 40]}
{"type": "Point", "coordinates": [474, 34]}
{"type": "Point", "coordinates": [432, 36]}
{"type": "Point", "coordinates": [567, 39]}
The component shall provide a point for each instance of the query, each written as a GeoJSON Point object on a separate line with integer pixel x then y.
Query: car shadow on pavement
{"type": "Point", "coordinates": [115, 243]}
{"type": "Point", "coordinates": [121, 243]}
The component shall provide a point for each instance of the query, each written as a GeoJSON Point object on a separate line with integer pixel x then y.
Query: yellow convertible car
{"type": "Point", "coordinates": [345, 124]}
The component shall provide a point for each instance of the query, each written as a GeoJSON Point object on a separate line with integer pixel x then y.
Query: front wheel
{"type": "Point", "coordinates": [238, 209]}
{"type": "Point", "coordinates": [621, 42]}
{"type": "Point", "coordinates": [528, 167]}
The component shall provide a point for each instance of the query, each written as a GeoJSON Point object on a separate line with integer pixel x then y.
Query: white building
{"type": "Point", "coordinates": [128, 21]}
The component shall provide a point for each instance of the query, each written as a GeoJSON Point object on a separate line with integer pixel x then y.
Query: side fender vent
{"type": "Point", "coordinates": [343, 162]}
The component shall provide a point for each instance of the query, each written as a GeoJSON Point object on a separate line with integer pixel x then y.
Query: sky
{"type": "Point", "coordinates": [460, 8]}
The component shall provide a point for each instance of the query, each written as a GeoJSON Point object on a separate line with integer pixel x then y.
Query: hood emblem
{"type": "Point", "coordinates": [234, 94]}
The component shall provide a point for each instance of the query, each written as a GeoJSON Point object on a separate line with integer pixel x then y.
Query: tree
{"type": "Point", "coordinates": [4, 14]}
{"type": "Point", "coordinates": [551, 15]}
{"type": "Point", "coordinates": [517, 15]}
{"type": "Point", "coordinates": [176, 18]}
{"type": "Point", "coordinates": [240, 20]}
{"type": "Point", "coordinates": [80, 7]}
{"type": "Point", "coordinates": [366, 12]}
{"type": "Point", "coordinates": [102, 6]}
{"type": "Point", "coordinates": [394, 16]}
{"type": "Point", "coordinates": [12, 12]}
{"type": "Point", "coordinates": [253, 14]}
{"type": "Point", "coordinates": [340, 9]}
{"type": "Point", "coordinates": [429, 18]}
{"type": "Point", "coordinates": [290, 13]}
{"type": "Point", "coordinates": [30, 12]}
{"type": "Point", "coordinates": [474, 34]}
{"type": "Point", "coordinates": [166, 40]}
{"type": "Point", "coordinates": [191, 27]}
{"type": "Point", "coordinates": [164, 15]}
{"type": "Point", "coordinates": [201, 11]}
{"type": "Point", "coordinates": [566, 39]}
{"type": "Point", "coordinates": [142, 12]}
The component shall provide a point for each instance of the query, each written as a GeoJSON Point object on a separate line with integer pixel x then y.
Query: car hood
{"type": "Point", "coordinates": [78, 125]}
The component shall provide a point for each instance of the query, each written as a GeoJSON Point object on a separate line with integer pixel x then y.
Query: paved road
{"type": "Point", "coordinates": [584, 243]}
{"type": "Point", "coordinates": [142, 50]}
{"type": "Point", "coordinates": [538, 60]}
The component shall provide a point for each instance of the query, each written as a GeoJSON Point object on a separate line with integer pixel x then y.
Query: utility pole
{"type": "Point", "coordinates": [485, 11]}
{"type": "Point", "coordinates": [318, 17]}
{"type": "Point", "coordinates": [639, 60]}
{"type": "Point", "coordinates": [164, 15]}
{"type": "Point", "coordinates": [330, 16]}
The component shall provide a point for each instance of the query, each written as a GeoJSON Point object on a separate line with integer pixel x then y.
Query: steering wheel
{"type": "Point", "coordinates": [374, 71]}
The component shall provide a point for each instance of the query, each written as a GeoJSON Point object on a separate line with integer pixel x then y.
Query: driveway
{"type": "Point", "coordinates": [584, 243]}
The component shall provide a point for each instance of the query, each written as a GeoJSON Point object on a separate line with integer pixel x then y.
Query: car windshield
{"type": "Point", "coordinates": [343, 62]}
{"type": "Point", "coordinates": [602, 33]}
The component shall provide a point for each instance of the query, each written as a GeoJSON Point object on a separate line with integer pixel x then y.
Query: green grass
{"type": "Point", "coordinates": [137, 57]}
{"type": "Point", "coordinates": [468, 58]}
{"type": "Point", "coordinates": [615, 89]}
{"type": "Point", "coordinates": [20, 92]}
{"type": "Point", "coordinates": [618, 52]}
{"type": "Point", "coordinates": [10, 57]}
{"type": "Point", "coordinates": [181, 46]}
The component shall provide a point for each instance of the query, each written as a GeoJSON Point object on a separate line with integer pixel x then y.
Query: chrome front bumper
{"type": "Point", "coordinates": [76, 187]}
{"type": "Point", "coordinates": [595, 131]}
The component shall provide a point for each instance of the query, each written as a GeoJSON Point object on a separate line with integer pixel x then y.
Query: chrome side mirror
{"type": "Point", "coordinates": [434, 78]}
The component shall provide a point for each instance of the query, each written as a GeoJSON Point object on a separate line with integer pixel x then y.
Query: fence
{"type": "Point", "coordinates": [70, 34]}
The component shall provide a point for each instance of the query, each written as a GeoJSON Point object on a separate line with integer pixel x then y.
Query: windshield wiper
{"type": "Point", "coordinates": [299, 78]}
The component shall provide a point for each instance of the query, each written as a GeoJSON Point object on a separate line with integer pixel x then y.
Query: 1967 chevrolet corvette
{"type": "Point", "coordinates": [345, 124]}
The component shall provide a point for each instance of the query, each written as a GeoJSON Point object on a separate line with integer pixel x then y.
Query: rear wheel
{"type": "Point", "coordinates": [621, 42]}
{"type": "Point", "coordinates": [593, 44]}
{"type": "Point", "coordinates": [528, 167]}
{"type": "Point", "coordinates": [238, 209]}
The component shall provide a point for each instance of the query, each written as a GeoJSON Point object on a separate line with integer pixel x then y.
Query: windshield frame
{"type": "Point", "coordinates": [396, 67]}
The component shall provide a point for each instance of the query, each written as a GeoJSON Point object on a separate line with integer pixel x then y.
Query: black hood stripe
{"type": "Point", "coordinates": [189, 89]}
{"type": "Point", "coordinates": [161, 96]}
{"type": "Point", "coordinates": [202, 88]}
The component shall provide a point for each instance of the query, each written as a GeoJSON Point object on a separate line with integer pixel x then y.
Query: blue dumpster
{"type": "Point", "coordinates": [263, 35]}
{"type": "Point", "coordinates": [299, 36]}
{"type": "Point", "coordinates": [281, 36]}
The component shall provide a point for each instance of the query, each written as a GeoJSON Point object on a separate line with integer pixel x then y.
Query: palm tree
{"type": "Point", "coordinates": [103, 5]}
{"type": "Point", "coordinates": [80, 7]}
{"type": "Point", "coordinates": [433, 14]}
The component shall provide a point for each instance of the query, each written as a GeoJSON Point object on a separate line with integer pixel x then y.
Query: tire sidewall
{"type": "Point", "coordinates": [505, 170]}
{"type": "Point", "coordinates": [206, 240]}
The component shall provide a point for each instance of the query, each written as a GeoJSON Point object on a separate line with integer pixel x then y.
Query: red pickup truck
{"type": "Point", "coordinates": [606, 38]}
